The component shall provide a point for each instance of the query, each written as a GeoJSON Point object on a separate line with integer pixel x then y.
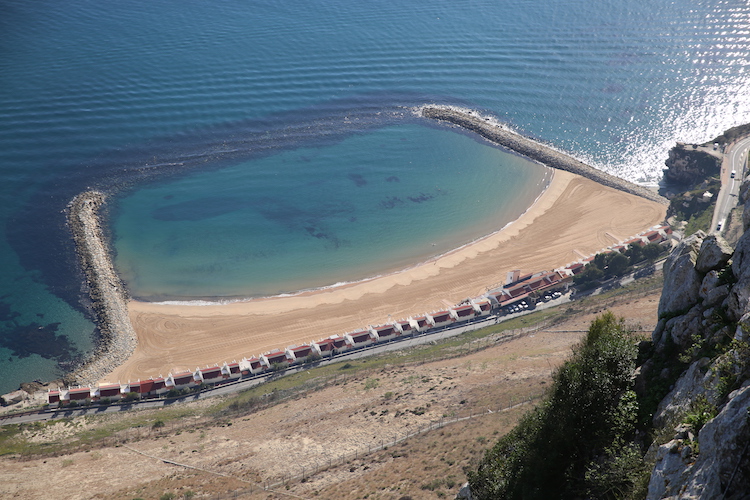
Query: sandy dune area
{"type": "Point", "coordinates": [573, 217]}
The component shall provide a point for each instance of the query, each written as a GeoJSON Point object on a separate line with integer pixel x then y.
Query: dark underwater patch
{"type": "Point", "coordinates": [199, 209]}
{"type": "Point", "coordinates": [23, 340]}
{"type": "Point", "coordinates": [358, 180]}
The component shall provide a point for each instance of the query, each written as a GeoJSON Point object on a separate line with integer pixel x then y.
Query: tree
{"type": "Point", "coordinates": [651, 251]}
{"type": "Point", "coordinates": [617, 264]}
{"type": "Point", "coordinates": [572, 444]}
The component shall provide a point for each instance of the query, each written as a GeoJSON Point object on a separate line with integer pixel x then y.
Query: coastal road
{"type": "Point", "coordinates": [735, 160]}
{"type": "Point", "coordinates": [243, 384]}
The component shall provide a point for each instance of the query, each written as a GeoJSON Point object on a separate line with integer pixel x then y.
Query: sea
{"type": "Point", "coordinates": [261, 148]}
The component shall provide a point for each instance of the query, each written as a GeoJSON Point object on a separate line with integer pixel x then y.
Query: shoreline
{"type": "Point", "coordinates": [573, 215]}
{"type": "Point", "coordinates": [141, 339]}
{"type": "Point", "coordinates": [109, 298]}
{"type": "Point", "coordinates": [529, 148]}
{"type": "Point", "coordinates": [209, 301]}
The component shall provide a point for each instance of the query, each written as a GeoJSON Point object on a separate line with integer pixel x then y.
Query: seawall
{"type": "Point", "coordinates": [494, 132]}
{"type": "Point", "coordinates": [108, 295]}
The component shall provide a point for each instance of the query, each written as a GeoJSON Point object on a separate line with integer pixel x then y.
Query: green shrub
{"type": "Point", "coordinates": [573, 442]}
{"type": "Point", "coordinates": [701, 411]}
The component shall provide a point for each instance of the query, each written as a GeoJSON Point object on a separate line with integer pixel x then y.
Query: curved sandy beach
{"type": "Point", "coordinates": [574, 216]}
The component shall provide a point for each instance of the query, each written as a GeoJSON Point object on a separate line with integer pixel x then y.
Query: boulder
{"type": "Point", "coordinates": [716, 296]}
{"type": "Point", "coordinates": [714, 254]}
{"type": "Point", "coordinates": [464, 493]}
{"type": "Point", "coordinates": [683, 328]}
{"type": "Point", "coordinates": [681, 280]}
{"type": "Point", "coordinates": [710, 281]}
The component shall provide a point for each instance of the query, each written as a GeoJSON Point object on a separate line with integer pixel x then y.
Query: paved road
{"type": "Point", "coordinates": [735, 159]}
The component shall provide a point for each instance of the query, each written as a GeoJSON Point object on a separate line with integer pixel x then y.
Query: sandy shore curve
{"type": "Point", "coordinates": [574, 216]}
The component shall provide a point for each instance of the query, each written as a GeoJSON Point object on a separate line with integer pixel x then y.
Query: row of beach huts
{"type": "Point", "coordinates": [518, 288]}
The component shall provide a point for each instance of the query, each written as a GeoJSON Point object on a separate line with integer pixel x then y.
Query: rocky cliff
{"type": "Point", "coordinates": [689, 164]}
{"type": "Point", "coordinates": [700, 352]}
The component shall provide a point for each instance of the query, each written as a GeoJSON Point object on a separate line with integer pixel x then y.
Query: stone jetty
{"type": "Point", "coordinates": [108, 295]}
{"type": "Point", "coordinates": [496, 133]}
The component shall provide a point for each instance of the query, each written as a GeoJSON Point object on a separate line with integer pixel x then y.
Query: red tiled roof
{"type": "Point", "coordinates": [441, 316]}
{"type": "Point", "coordinates": [464, 311]}
{"type": "Point", "coordinates": [109, 391]}
{"type": "Point", "coordinates": [185, 379]}
{"type": "Point", "coordinates": [212, 372]}
{"type": "Point", "coordinates": [145, 386]}
{"type": "Point", "coordinates": [301, 351]}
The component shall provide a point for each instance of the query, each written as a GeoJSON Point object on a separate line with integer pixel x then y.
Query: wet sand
{"type": "Point", "coordinates": [574, 216]}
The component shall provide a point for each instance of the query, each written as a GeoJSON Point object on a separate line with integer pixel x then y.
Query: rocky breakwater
{"type": "Point", "coordinates": [496, 133]}
{"type": "Point", "coordinates": [109, 298]}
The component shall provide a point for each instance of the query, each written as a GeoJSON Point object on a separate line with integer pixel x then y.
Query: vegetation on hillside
{"type": "Point", "coordinates": [612, 264]}
{"type": "Point", "coordinates": [579, 442]}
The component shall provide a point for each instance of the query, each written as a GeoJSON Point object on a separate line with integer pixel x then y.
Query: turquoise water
{"type": "Point", "coordinates": [148, 100]}
{"type": "Point", "coordinates": [314, 217]}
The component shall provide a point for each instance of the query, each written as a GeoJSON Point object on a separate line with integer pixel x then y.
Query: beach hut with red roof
{"type": "Point", "coordinates": [253, 365]}
{"type": "Point", "coordinates": [635, 241]}
{"type": "Point", "coordinates": [110, 391]}
{"type": "Point", "coordinates": [275, 359]}
{"type": "Point", "coordinates": [299, 353]}
{"type": "Point", "coordinates": [181, 380]}
{"type": "Point", "coordinates": [383, 333]}
{"type": "Point", "coordinates": [404, 327]}
{"type": "Point", "coordinates": [483, 307]}
{"type": "Point", "coordinates": [335, 344]}
{"type": "Point", "coordinates": [231, 371]}
{"type": "Point", "coordinates": [575, 267]}
{"type": "Point", "coordinates": [422, 323]}
{"type": "Point", "coordinates": [211, 374]}
{"type": "Point", "coordinates": [53, 396]}
{"type": "Point", "coordinates": [441, 318]}
{"type": "Point", "coordinates": [359, 338]}
{"type": "Point", "coordinates": [463, 312]}
{"type": "Point", "coordinates": [80, 393]}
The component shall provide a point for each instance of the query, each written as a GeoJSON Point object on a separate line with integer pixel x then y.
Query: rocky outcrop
{"type": "Point", "coordinates": [698, 380]}
{"type": "Point", "coordinates": [714, 254]}
{"type": "Point", "coordinates": [496, 133]}
{"type": "Point", "coordinates": [687, 165]}
{"type": "Point", "coordinates": [108, 295]}
{"type": "Point", "coordinates": [681, 279]}
{"type": "Point", "coordinates": [719, 469]}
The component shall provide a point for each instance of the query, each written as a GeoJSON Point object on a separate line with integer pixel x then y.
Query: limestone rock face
{"type": "Point", "coordinates": [720, 470]}
{"type": "Point", "coordinates": [714, 254]}
{"type": "Point", "coordinates": [739, 298]}
{"type": "Point", "coordinates": [670, 473]}
{"type": "Point", "coordinates": [683, 328]}
{"type": "Point", "coordinates": [697, 380]}
{"type": "Point", "coordinates": [681, 280]}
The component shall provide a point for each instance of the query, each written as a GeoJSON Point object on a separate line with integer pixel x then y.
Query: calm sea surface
{"type": "Point", "coordinates": [256, 148]}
